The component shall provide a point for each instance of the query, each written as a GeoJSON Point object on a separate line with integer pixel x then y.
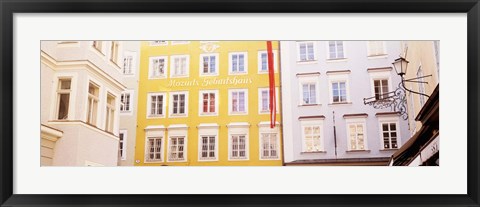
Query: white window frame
{"type": "Point", "coordinates": [133, 63]}
{"type": "Point", "coordinates": [209, 130]}
{"type": "Point", "coordinates": [99, 102]}
{"type": "Point", "coordinates": [245, 63]}
{"type": "Point", "coordinates": [110, 109]}
{"type": "Point", "coordinates": [154, 131]}
{"type": "Point", "coordinates": [383, 53]}
{"type": "Point", "coordinates": [230, 101]}
{"type": "Point", "coordinates": [149, 107]}
{"type": "Point", "coordinates": [179, 42]}
{"type": "Point", "coordinates": [298, 43]}
{"type": "Point", "coordinates": [260, 101]}
{"type": "Point", "coordinates": [380, 75]}
{"type": "Point", "coordinates": [130, 111]}
{"type": "Point", "coordinates": [58, 92]}
{"type": "Point", "coordinates": [356, 121]}
{"type": "Point", "coordinates": [172, 66]}
{"type": "Point", "coordinates": [336, 50]}
{"type": "Point", "coordinates": [177, 130]}
{"type": "Point", "coordinates": [239, 129]}
{"type": "Point", "coordinates": [312, 123]}
{"type": "Point", "coordinates": [158, 43]}
{"type": "Point", "coordinates": [259, 61]}
{"type": "Point", "coordinates": [389, 119]}
{"type": "Point", "coordinates": [151, 72]}
{"type": "Point", "coordinates": [162, 149]}
{"type": "Point", "coordinates": [171, 114]}
{"type": "Point", "coordinates": [310, 79]}
{"type": "Point", "coordinates": [124, 142]}
{"type": "Point", "coordinates": [115, 48]}
{"type": "Point", "coordinates": [217, 61]}
{"type": "Point", "coordinates": [333, 78]}
{"type": "Point", "coordinates": [264, 127]}
{"type": "Point", "coordinates": [200, 103]}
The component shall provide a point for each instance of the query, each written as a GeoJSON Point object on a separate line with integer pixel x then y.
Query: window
{"type": "Point", "coordinates": [177, 148]}
{"type": "Point", "coordinates": [122, 154]}
{"type": "Point", "coordinates": [339, 92]}
{"type": "Point", "coordinates": [157, 67]}
{"type": "Point", "coordinates": [376, 48]}
{"type": "Point", "coordinates": [114, 51]}
{"type": "Point", "coordinates": [63, 98]}
{"type": "Point", "coordinates": [335, 50]}
{"type": "Point", "coordinates": [421, 86]}
{"type": "Point", "coordinates": [98, 45]}
{"type": "Point", "coordinates": [158, 43]}
{"type": "Point", "coordinates": [263, 61]}
{"type": "Point", "coordinates": [309, 93]}
{"type": "Point", "coordinates": [209, 64]}
{"type": "Point", "coordinates": [110, 116]}
{"type": "Point", "coordinates": [265, 97]}
{"type": "Point", "coordinates": [238, 148]}
{"type": "Point", "coordinates": [311, 138]}
{"type": "Point", "coordinates": [92, 105]}
{"type": "Point", "coordinates": [269, 146]}
{"type": "Point", "coordinates": [128, 63]}
{"type": "Point", "coordinates": [264, 100]}
{"type": "Point", "coordinates": [306, 51]}
{"type": "Point", "coordinates": [156, 104]}
{"type": "Point", "coordinates": [126, 101]}
{"type": "Point", "coordinates": [154, 149]}
{"type": "Point", "coordinates": [179, 103]}
{"type": "Point", "coordinates": [238, 101]}
{"type": "Point", "coordinates": [238, 63]}
{"type": "Point", "coordinates": [356, 136]}
{"type": "Point", "coordinates": [381, 88]}
{"type": "Point", "coordinates": [179, 66]}
{"type": "Point", "coordinates": [208, 148]}
{"type": "Point", "coordinates": [208, 102]}
{"type": "Point", "coordinates": [389, 134]}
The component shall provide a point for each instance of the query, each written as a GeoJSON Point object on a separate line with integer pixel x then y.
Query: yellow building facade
{"type": "Point", "coordinates": [205, 103]}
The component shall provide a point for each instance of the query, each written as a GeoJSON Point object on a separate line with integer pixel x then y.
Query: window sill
{"type": "Point", "coordinates": [237, 73]}
{"type": "Point", "coordinates": [209, 160]}
{"type": "Point", "coordinates": [115, 64]}
{"type": "Point", "coordinates": [334, 60]}
{"type": "Point", "coordinates": [302, 105]}
{"type": "Point", "coordinates": [208, 74]}
{"type": "Point", "coordinates": [179, 76]}
{"type": "Point", "coordinates": [315, 152]}
{"type": "Point", "coordinates": [306, 62]}
{"type": "Point", "coordinates": [178, 115]}
{"type": "Point", "coordinates": [341, 103]}
{"type": "Point", "coordinates": [129, 74]}
{"type": "Point", "coordinates": [156, 77]}
{"type": "Point", "coordinates": [153, 161]}
{"type": "Point", "coordinates": [388, 150]}
{"type": "Point", "coordinates": [238, 113]}
{"type": "Point", "coordinates": [238, 159]}
{"type": "Point", "coordinates": [377, 56]}
{"type": "Point", "coordinates": [208, 114]}
{"type": "Point", "coordinates": [155, 117]}
{"type": "Point", "coordinates": [359, 151]}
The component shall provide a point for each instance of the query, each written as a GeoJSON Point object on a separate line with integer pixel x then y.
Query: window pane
{"type": "Point", "coordinates": [63, 106]}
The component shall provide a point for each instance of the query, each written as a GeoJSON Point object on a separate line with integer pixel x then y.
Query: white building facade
{"type": "Point", "coordinates": [81, 87]}
{"type": "Point", "coordinates": [325, 120]}
{"type": "Point", "coordinates": [129, 103]}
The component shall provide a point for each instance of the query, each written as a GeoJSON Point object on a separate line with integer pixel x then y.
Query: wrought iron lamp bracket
{"type": "Point", "coordinates": [395, 100]}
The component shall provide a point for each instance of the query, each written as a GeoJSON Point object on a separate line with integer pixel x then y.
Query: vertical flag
{"type": "Point", "coordinates": [271, 76]}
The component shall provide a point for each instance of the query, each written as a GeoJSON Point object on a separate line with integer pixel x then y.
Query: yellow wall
{"type": "Point", "coordinates": [193, 120]}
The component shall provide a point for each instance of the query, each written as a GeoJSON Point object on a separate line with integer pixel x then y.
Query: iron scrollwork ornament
{"type": "Point", "coordinates": [395, 100]}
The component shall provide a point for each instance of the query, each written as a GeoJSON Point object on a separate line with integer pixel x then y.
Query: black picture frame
{"type": "Point", "coordinates": [10, 7]}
